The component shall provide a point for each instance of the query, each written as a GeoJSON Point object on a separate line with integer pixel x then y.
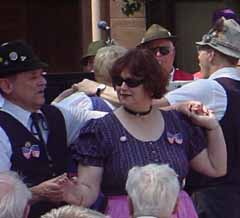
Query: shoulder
{"type": "Point", "coordinates": [192, 91]}
{"type": "Point", "coordinates": [101, 123]}
{"type": "Point", "coordinates": [174, 115]}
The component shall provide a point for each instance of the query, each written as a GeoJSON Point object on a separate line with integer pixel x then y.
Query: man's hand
{"type": "Point", "coordinates": [51, 190]}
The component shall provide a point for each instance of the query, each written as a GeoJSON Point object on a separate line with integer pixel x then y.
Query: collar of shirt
{"type": "Point", "coordinates": [22, 115]}
{"type": "Point", "coordinates": [171, 74]}
{"type": "Point", "coordinates": [1, 100]}
{"type": "Point", "coordinates": [228, 72]}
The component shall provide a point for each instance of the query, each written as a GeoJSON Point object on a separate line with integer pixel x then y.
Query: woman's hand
{"type": "Point", "coordinates": [199, 114]}
{"type": "Point", "coordinates": [71, 193]}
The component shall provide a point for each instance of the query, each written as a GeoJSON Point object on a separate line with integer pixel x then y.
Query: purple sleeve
{"type": "Point", "coordinates": [89, 149]}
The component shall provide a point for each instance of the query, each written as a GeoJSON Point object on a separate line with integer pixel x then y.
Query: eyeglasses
{"type": "Point", "coordinates": [164, 50]}
{"type": "Point", "coordinates": [132, 83]}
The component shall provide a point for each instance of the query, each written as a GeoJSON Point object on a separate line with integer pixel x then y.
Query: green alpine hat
{"type": "Point", "coordinates": [155, 31]}
{"type": "Point", "coordinates": [93, 48]}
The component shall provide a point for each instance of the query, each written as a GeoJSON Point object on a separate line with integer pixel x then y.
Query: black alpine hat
{"type": "Point", "coordinates": [16, 57]}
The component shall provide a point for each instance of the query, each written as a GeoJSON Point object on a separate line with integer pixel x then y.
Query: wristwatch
{"type": "Point", "coordinates": [100, 89]}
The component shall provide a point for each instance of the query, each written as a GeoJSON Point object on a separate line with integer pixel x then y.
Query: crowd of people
{"type": "Point", "coordinates": [124, 146]}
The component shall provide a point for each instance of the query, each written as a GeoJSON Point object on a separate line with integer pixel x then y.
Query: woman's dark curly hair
{"type": "Point", "coordinates": [141, 64]}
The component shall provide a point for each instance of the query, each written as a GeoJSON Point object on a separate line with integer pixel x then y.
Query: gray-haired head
{"type": "Point", "coordinates": [153, 190]}
{"type": "Point", "coordinates": [14, 195]}
{"type": "Point", "coordinates": [104, 60]}
{"type": "Point", "coordinates": [73, 212]}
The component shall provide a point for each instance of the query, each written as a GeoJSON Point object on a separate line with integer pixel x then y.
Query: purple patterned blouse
{"type": "Point", "coordinates": [104, 142]}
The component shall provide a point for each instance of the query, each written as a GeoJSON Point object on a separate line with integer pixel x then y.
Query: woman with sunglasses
{"type": "Point", "coordinates": [137, 134]}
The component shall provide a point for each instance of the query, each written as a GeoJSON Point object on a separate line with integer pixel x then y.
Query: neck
{"type": "Point", "coordinates": [138, 113]}
{"type": "Point", "coordinates": [219, 66]}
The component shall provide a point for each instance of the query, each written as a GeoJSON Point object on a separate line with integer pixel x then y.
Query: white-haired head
{"type": "Point", "coordinates": [104, 60]}
{"type": "Point", "coordinates": [73, 212]}
{"type": "Point", "coordinates": [14, 196]}
{"type": "Point", "coordinates": [153, 190]}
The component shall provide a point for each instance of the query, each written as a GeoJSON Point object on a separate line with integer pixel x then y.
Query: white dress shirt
{"type": "Point", "coordinates": [208, 91]}
{"type": "Point", "coordinates": [80, 100]}
{"type": "Point", "coordinates": [74, 121]}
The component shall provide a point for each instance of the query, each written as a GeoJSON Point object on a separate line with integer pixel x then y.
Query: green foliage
{"type": "Point", "coordinates": [129, 7]}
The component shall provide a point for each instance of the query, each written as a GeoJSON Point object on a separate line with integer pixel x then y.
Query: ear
{"type": "Point", "coordinates": [211, 54]}
{"type": "Point", "coordinates": [6, 85]}
{"type": "Point", "coordinates": [130, 206]}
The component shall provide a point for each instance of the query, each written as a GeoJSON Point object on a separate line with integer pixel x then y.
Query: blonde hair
{"type": "Point", "coordinates": [72, 211]}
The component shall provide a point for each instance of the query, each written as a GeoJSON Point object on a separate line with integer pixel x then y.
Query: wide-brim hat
{"type": "Point", "coordinates": [93, 48]}
{"type": "Point", "coordinates": [224, 37]}
{"type": "Point", "coordinates": [154, 32]}
{"type": "Point", "coordinates": [16, 57]}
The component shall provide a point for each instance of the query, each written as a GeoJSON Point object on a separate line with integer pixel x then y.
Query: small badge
{"type": "Point", "coordinates": [28, 144]}
{"type": "Point", "coordinates": [29, 150]}
{"type": "Point", "coordinates": [23, 58]}
{"type": "Point", "coordinates": [123, 138]}
{"type": "Point", "coordinates": [26, 152]}
{"type": "Point", "coordinates": [35, 151]}
{"type": "Point", "coordinates": [13, 56]}
{"type": "Point", "coordinates": [177, 138]}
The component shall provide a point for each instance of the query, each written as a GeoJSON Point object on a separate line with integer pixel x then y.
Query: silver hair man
{"type": "Point", "coordinates": [153, 190]}
{"type": "Point", "coordinates": [14, 196]}
{"type": "Point", "coordinates": [73, 212]}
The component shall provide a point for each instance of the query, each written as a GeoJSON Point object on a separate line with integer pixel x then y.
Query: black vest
{"type": "Point", "coordinates": [37, 169]}
{"type": "Point", "coordinates": [230, 124]}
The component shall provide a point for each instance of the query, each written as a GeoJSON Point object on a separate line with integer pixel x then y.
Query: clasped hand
{"type": "Point", "coordinates": [199, 114]}
{"type": "Point", "coordinates": [58, 189]}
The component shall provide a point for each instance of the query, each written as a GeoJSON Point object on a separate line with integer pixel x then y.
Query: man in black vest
{"type": "Point", "coordinates": [34, 136]}
{"type": "Point", "coordinates": [218, 54]}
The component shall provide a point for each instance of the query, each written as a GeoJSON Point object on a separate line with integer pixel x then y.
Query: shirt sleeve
{"type": "Point", "coordinates": [77, 99]}
{"type": "Point", "coordinates": [207, 91]}
{"type": "Point", "coordinates": [90, 147]}
{"type": "Point", "coordinates": [75, 118]}
{"type": "Point", "coordinates": [5, 152]}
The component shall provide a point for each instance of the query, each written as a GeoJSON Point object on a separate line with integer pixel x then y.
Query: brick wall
{"type": "Point", "coordinates": [126, 31]}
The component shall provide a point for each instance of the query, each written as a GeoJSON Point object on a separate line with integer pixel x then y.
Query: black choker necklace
{"type": "Point", "coordinates": [138, 113]}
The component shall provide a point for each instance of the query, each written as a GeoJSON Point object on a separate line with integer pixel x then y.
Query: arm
{"type": "Point", "coordinates": [5, 151]}
{"type": "Point", "coordinates": [86, 190]}
{"type": "Point", "coordinates": [212, 161]}
{"type": "Point", "coordinates": [64, 94]}
{"type": "Point", "coordinates": [90, 88]}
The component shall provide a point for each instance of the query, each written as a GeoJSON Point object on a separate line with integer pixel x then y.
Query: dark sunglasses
{"type": "Point", "coordinates": [132, 83]}
{"type": "Point", "coordinates": [164, 50]}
